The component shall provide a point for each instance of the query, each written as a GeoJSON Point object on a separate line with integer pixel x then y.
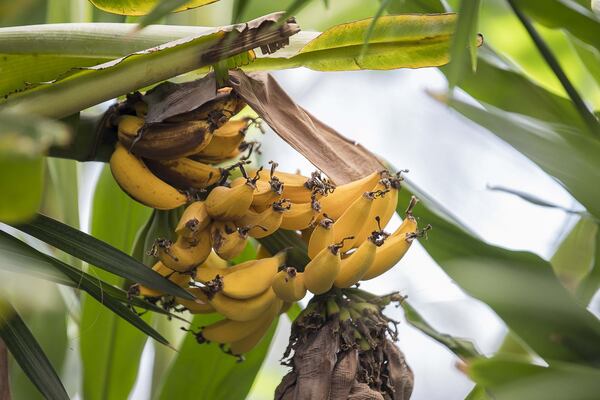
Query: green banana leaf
{"type": "Point", "coordinates": [574, 258]}
{"type": "Point", "coordinates": [101, 254]}
{"type": "Point", "coordinates": [204, 372]}
{"type": "Point", "coordinates": [111, 349]}
{"type": "Point", "coordinates": [21, 258]}
{"type": "Point", "coordinates": [461, 347]}
{"type": "Point", "coordinates": [463, 51]}
{"type": "Point", "coordinates": [397, 42]}
{"type": "Point", "coordinates": [23, 141]}
{"type": "Point", "coordinates": [578, 20]}
{"type": "Point", "coordinates": [143, 7]}
{"type": "Point", "coordinates": [28, 354]}
{"type": "Point", "coordinates": [519, 286]}
{"type": "Point", "coordinates": [79, 88]}
{"type": "Point", "coordinates": [514, 379]}
{"type": "Point", "coordinates": [164, 7]}
{"type": "Point", "coordinates": [547, 145]}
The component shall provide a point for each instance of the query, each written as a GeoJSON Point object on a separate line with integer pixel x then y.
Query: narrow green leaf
{"type": "Point", "coordinates": [19, 257]}
{"type": "Point", "coordinates": [546, 145]}
{"type": "Point", "coordinates": [143, 7]}
{"type": "Point", "coordinates": [513, 379]}
{"type": "Point", "coordinates": [574, 258]}
{"type": "Point", "coordinates": [165, 7]}
{"type": "Point", "coordinates": [478, 393]}
{"type": "Point", "coordinates": [111, 351]}
{"type": "Point", "coordinates": [28, 353]}
{"type": "Point", "coordinates": [461, 347]}
{"type": "Point", "coordinates": [50, 330]}
{"type": "Point", "coordinates": [519, 286]}
{"type": "Point", "coordinates": [205, 372]}
{"type": "Point", "coordinates": [463, 51]}
{"type": "Point", "coordinates": [98, 253]}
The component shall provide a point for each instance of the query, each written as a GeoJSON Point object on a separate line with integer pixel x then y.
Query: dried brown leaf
{"type": "Point", "coordinates": [362, 391]}
{"type": "Point", "coordinates": [344, 375]}
{"type": "Point", "coordinates": [341, 159]}
{"type": "Point", "coordinates": [399, 373]}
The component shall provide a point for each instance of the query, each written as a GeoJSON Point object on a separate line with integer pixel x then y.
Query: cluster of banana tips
{"type": "Point", "coordinates": [172, 165]}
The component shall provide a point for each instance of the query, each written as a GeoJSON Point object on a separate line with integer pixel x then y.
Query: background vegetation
{"type": "Point", "coordinates": [535, 87]}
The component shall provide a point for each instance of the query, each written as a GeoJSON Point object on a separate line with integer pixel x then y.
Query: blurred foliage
{"type": "Point", "coordinates": [519, 99]}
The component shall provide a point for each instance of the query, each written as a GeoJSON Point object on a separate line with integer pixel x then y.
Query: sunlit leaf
{"type": "Point", "coordinates": [143, 7]}
{"type": "Point", "coordinates": [591, 282]}
{"type": "Point", "coordinates": [28, 353]}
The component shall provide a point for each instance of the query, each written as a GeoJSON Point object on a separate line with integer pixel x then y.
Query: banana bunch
{"type": "Point", "coordinates": [162, 165]}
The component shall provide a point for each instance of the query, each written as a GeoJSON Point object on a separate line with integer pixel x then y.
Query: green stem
{"type": "Point", "coordinates": [585, 113]}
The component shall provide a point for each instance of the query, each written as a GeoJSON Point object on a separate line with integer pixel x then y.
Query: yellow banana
{"type": "Point", "coordinates": [243, 310]}
{"type": "Point", "coordinates": [228, 331]}
{"type": "Point", "coordinates": [321, 237]}
{"type": "Point", "coordinates": [383, 207]}
{"type": "Point", "coordinates": [185, 173]}
{"type": "Point", "coordinates": [163, 141]}
{"type": "Point", "coordinates": [183, 256]}
{"type": "Point", "coordinates": [343, 196]}
{"type": "Point", "coordinates": [352, 220]}
{"type": "Point", "coordinates": [194, 220]}
{"type": "Point", "coordinates": [296, 187]}
{"type": "Point", "coordinates": [251, 281]}
{"type": "Point", "coordinates": [217, 112]}
{"type": "Point", "coordinates": [246, 344]}
{"type": "Point", "coordinates": [182, 280]}
{"type": "Point", "coordinates": [231, 203]}
{"type": "Point", "coordinates": [394, 248]}
{"type": "Point", "coordinates": [263, 224]}
{"type": "Point", "coordinates": [409, 224]}
{"type": "Point", "coordinates": [139, 182]}
{"type": "Point", "coordinates": [301, 215]}
{"type": "Point", "coordinates": [322, 270]}
{"type": "Point", "coordinates": [225, 142]}
{"type": "Point", "coordinates": [227, 239]}
{"type": "Point", "coordinates": [288, 285]}
{"type": "Point", "coordinates": [358, 263]}
{"type": "Point", "coordinates": [207, 272]}
{"type": "Point", "coordinates": [198, 306]}
{"type": "Point", "coordinates": [264, 194]}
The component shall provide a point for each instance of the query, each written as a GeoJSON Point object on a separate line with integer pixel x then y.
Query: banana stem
{"type": "Point", "coordinates": [4, 382]}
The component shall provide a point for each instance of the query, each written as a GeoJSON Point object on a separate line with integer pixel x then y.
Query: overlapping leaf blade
{"type": "Point", "coordinates": [548, 145]}
{"type": "Point", "coordinates": [519, 286]}
{"type": "Point", "coordinates": [28, 353]}
{"type": "Point", "coordinates": [97, 252]}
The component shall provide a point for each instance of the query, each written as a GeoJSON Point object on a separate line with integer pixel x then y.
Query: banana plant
{"type": "Point", "coordinates": [50, 107]}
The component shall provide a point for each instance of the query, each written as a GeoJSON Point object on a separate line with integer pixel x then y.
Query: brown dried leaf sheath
{"type": "Point", "coordinates": [338, 157]}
